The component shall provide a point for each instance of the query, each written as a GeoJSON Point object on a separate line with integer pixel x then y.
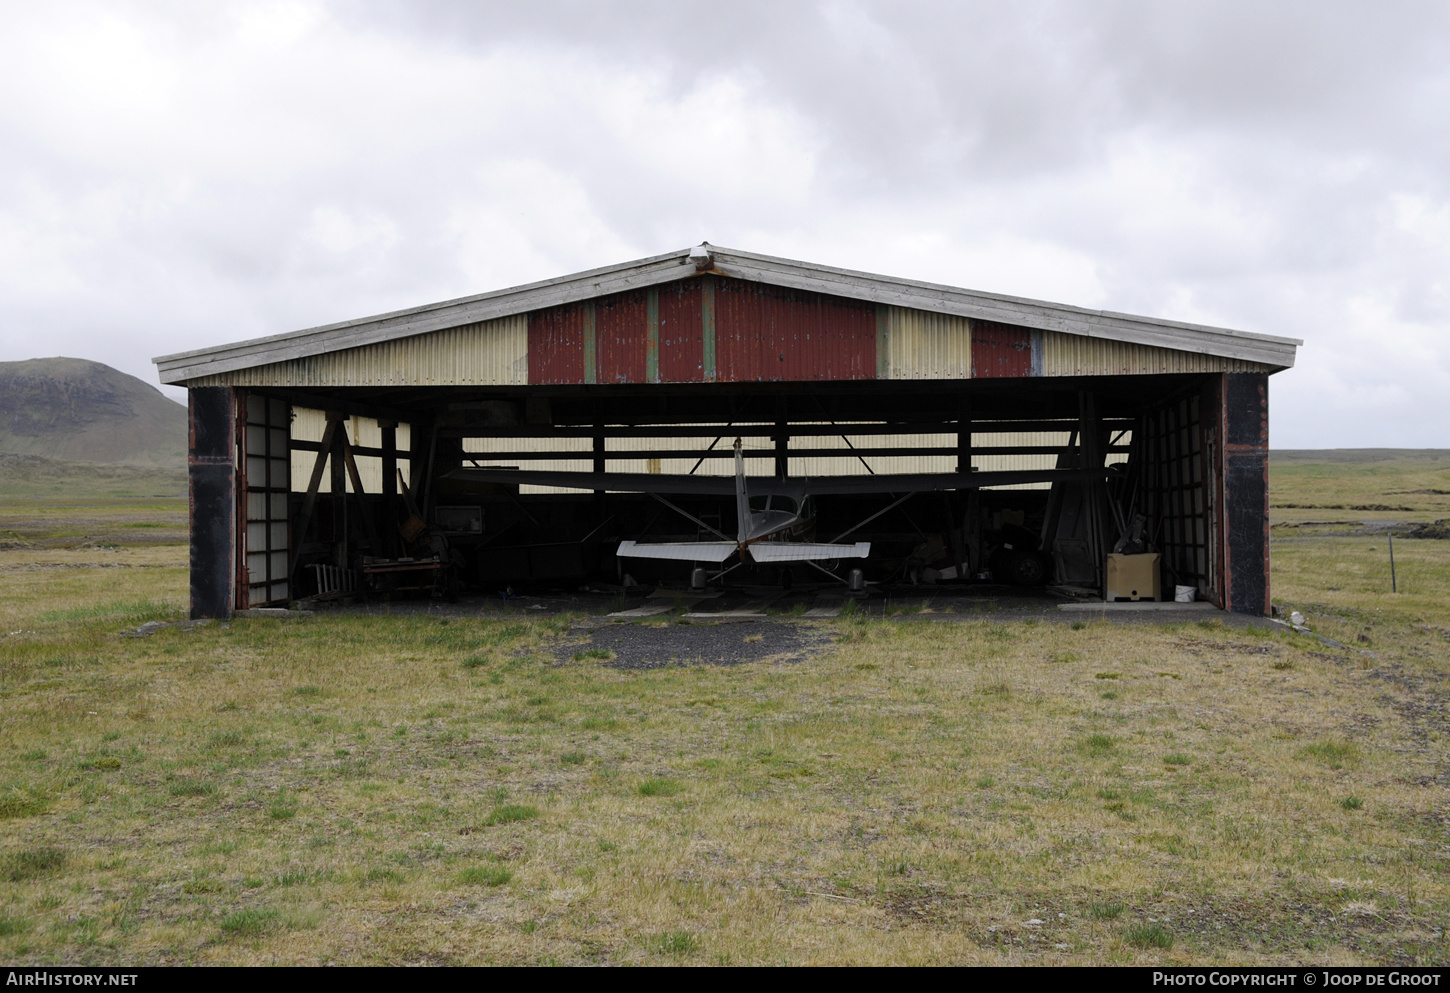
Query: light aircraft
{"type": "Point", "coordinates": [768, 535]}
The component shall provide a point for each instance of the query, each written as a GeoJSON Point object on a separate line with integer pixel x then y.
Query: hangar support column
{"type": "Point", "coordinates": [212, 492]}
{"type": "Point", "coordinates": [1246, 492]}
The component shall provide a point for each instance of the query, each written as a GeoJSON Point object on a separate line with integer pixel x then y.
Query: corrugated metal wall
{"type": "Point", "coordinates": [709, 329]}
{"type": "Point", "coordinates": [770, 334]}
{"type": "Point", "coordinates": [1076, 355]}
{"type": "Point", "coordinates": [491, 353]}
{"type": "Point", "coordinates": [683, 314]}
{"type": "Point", "coordinates": [914, 344]}
{"type": "Point", "coordinates": [712, 329]}
{"type": "Point", "coordinates": [1001, 350]}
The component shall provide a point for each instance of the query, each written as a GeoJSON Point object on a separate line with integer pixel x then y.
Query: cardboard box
{"type": "Point", "coordinates": [1133, 577]}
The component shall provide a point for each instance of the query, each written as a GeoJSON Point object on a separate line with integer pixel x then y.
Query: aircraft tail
{"type": "Point", "coordinates": [742, 497]}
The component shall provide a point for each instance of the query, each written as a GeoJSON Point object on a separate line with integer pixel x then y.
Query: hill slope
{"type": "Point", "coordinates": [85, 411]}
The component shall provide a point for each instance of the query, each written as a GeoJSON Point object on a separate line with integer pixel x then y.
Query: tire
{"type": "Point", "coordinates": [1026, 568]}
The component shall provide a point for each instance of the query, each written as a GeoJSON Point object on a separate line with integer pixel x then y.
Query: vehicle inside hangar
{"type": "Point", "coordinates": [344, 469]}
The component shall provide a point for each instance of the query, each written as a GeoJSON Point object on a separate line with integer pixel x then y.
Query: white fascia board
{"type": "Point", "coordinates": [933, 297]}
{"type": "Point", "coordinates": [937, 298]}
{"type": "Point", "coordinates": [181, 366]}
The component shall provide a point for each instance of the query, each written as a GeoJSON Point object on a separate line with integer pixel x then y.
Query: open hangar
{"type": "Point", "coordinates": [327, 461]}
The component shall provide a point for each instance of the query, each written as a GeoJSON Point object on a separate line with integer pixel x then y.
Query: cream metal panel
{"type": "Point", "coordinates": [618, 460]}
{"type": "Point", "coordinates": [495, 452]}
{"type": "Point", "coordinates": [850, 465]}
{"type": "Point", "coordinates": [855, 465]}
{"type": "Point", "coordinates": [1077, 355]}
{"type": "Point", "coordinates": [308, 425]}
{"type": "Point", "coordinates": [490, 353]}
{"type": "Point", "coordinates": [922, 345]}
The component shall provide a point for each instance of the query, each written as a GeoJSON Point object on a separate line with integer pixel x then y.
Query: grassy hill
{"type": "Point", "coordinates": [1401, 484]}
{"type": "Point", "coordinates": [77, 410]}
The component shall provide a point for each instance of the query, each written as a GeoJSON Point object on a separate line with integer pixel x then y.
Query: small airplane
{"type": "Point", "coordinates": [766, 535]}
{"type": "Point", "coordinates": [769, 535]}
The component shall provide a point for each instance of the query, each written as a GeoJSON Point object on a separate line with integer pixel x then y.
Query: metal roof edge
{"type": "Point", "coordinates": [178, 367]}
{"type": "Point", "coordinates": [1039, 314]}
{"type": "Point", "coordinates": [1271, 350]}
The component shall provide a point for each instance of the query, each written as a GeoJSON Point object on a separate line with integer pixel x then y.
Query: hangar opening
{"type": "Point", "coordinates": [722, 417]}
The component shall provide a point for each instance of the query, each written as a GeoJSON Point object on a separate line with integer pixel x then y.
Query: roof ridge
{"type": "Point", "coordinates": [669, 267]}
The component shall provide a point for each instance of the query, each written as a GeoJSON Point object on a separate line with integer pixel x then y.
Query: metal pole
{"type": "Point", "coordinates": [1394, 586]}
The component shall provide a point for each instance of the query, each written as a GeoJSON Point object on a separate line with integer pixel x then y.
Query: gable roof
{"type": "Point", "coordinates": [659, 269]}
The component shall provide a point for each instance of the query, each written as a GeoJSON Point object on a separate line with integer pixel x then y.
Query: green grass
{"type": "Point", "coordinates": [11, 925]}
{"type": "Point", "coordinates": [1150, 935]}
{"type": "Point", "coordinates": [137, 611]}
{"type": "Point", "coordinates": [676, 943]}
{"type": "Point", "coordinates": [1335, 754]}
{"type": "Point", "coordinates": [250, 922]}
{"type": "Point", "coordinates": [22, 801]}
{"type": "Point", "coordinates": [31, 863]}
{"type": "Point", "coordinates": [510, 814]}
{"type": "Point", "coordinates": [890, 800]}
{"type": "Point", "coordinates": [660, 787]}
{"type": "Point", "coordinates": [485, 876]}
{"type": "Point", "coordinates": [191, 787]}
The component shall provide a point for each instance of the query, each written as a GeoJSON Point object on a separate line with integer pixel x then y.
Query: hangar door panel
{"type": "Point", "coordinates": [266, 481]}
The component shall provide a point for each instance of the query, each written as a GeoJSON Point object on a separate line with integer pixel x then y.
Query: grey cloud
{"type": "Point", "coordinates": [233, 171]}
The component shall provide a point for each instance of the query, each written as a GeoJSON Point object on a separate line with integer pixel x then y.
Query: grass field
{"type": "Point", "coordinates": [357, 790]}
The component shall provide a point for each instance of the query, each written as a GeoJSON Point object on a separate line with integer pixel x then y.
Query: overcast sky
{"type": "Point", "coordinates": [176, 175]}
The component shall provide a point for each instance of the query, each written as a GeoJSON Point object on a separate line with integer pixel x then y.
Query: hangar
{"type": "Point", "coordinates": [993, 438]}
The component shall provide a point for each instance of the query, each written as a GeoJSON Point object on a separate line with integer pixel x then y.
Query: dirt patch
{"type": "Point", "coordinates": [650, 645]}
{"type": "Point", "coordinates": [1198, 648]}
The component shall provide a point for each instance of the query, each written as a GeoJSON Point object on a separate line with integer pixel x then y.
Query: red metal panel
{"type": "Point", "coordinates": [769, 333]}
{"type": "Point", "coordinates": [681, 333]}
{"type": "Point", "coordinates": [621, 330]}
{"type": "Point", "coordinates": [1000, 350]}
{"type": "Point", "coordinates": [556, 345]}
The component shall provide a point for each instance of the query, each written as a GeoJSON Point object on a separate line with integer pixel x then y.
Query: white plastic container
{"type": "Point", "coordinates": [1185, 594]}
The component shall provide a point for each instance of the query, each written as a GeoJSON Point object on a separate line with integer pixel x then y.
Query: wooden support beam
{"type": "Point", "coordinates": [390, 479]}
{"type": "Point", "coordinates": [360, 493]}
{"type": "Point", "coordinates": [337, 486]}
{"type": "Point", "coordinates": [964, 435]}
{"type": "Point", "coordinates": [309, 502]}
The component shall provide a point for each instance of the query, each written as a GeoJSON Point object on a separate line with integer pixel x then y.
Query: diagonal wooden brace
{"type": "Point", "coordinates": [309, 503]}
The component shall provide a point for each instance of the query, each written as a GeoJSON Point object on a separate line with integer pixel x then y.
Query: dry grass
{"type": "Point", "coordinates": [1403, 485]}
{"type": "Point", "coordinates": [410, 790]}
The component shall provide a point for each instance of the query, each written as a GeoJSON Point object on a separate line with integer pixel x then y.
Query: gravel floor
{"type": "Point", "coordinates": [649, 646]}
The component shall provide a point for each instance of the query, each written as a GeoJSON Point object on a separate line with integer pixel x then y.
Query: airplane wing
{"type": "Point", "coordinates": [804, 551]}
{"type": "Point", "coordinates": [927, 481]}
{"type": "Point", "coordinates": [795, 486]}
{"type": "Point", "coordinates": [678, 551]}
{"type": "Point", "coordinates": [618, 482]}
